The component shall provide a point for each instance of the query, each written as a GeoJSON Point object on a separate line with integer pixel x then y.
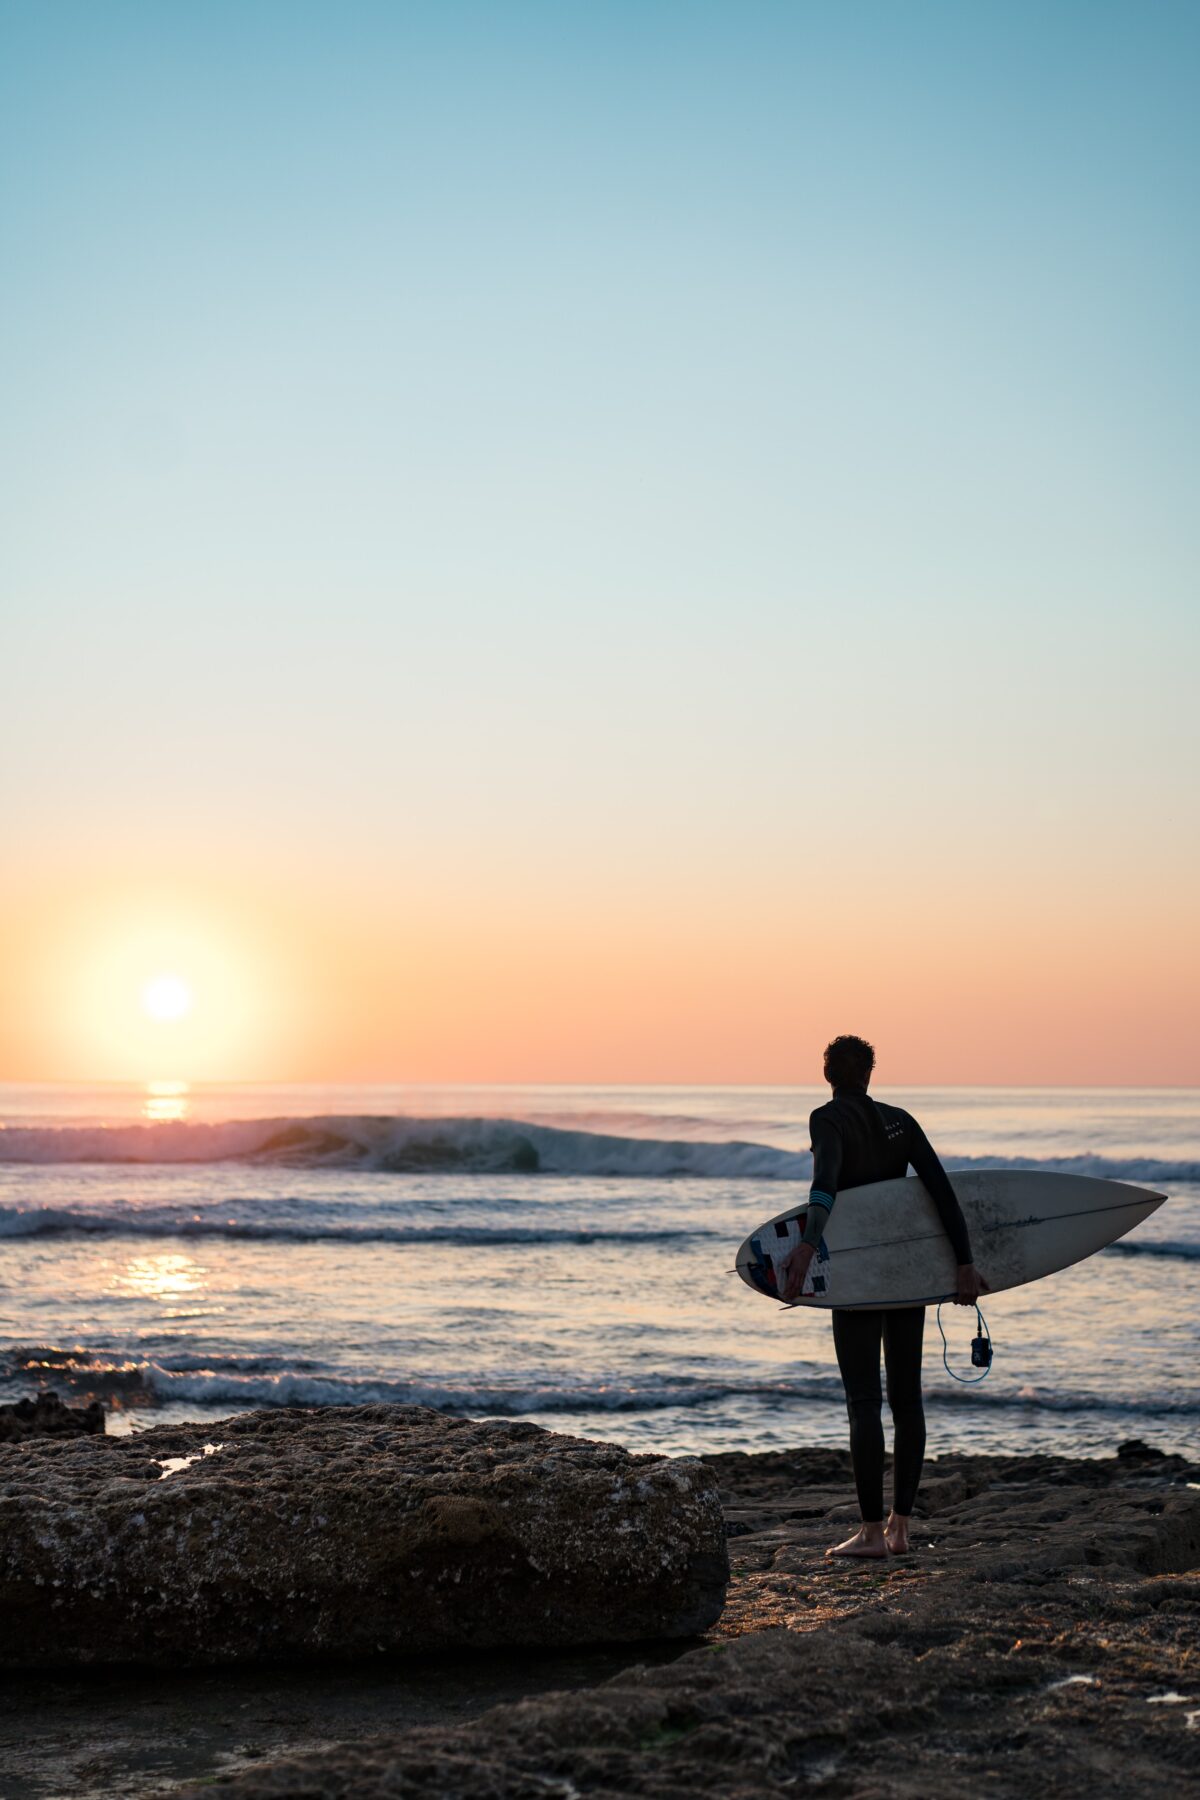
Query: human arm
{"type": "Point", "coordinates": [827, 1168]}
{"type": "Point", "coordinates": [924, 1160]}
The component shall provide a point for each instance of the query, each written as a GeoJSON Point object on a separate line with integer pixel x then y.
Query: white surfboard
{"type": "Point", "coordinates": [884, 1244]}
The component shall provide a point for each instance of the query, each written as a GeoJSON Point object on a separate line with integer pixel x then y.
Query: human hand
{"type": "Point", "coordinates": [795, 1270]}
{"type": "Point", "coordinates": [970, 1285]}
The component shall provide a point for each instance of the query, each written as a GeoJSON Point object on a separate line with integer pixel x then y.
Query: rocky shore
{"type": "Point", "coordinates": [1044, 1635]}
{"type": "Point", "coordinates": [46, 1417]}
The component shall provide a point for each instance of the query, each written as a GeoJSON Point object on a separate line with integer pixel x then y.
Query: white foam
{"type": "Point", "coordinates": [398, 1145]}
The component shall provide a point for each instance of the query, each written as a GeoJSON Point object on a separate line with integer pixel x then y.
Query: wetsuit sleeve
{"type": "Point", "coordinates": [827, 1169]}
{"type": "Point", "coordinates": [923, 1158]}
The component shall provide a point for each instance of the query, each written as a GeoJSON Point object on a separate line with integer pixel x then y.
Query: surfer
{"type": "Point", "coordinates": [856, 1140]}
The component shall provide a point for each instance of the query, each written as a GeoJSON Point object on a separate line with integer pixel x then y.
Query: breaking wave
{"type": "Point", "coordinates": [1169, 1247]}
{"type": "Point", "coordinates": [287, 1222]}
{"type": "Point", "coordinates": [400, 1146]}
{"type": "Point", "coordinates": [242, 1383]}
{"type": "Point", "coordinates": [403, 1145]}
{"type": "Point", "coordinates": [219, 1222]}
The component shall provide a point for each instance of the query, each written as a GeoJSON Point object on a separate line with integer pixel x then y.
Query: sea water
{"type": "Point", "coordinates": [556, 1254]}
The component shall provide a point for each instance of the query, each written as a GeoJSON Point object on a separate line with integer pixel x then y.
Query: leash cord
{"type": "Point", "coordinates": [982, 1328]}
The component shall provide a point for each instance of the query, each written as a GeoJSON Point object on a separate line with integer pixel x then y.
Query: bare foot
{"type": "Point", "coordinates": [867, 1541]}
{"type": "Point", "coordinates": [895, 1534]}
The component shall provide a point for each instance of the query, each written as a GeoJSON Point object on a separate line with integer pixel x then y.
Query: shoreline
{"type": "Point", "coordinates": [1058, 1587]}
{"type": "Point", "coordinates": [825, 1421]}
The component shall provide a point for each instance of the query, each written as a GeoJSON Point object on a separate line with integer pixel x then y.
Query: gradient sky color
{"type": "Point", "coordinates": [600, 543]}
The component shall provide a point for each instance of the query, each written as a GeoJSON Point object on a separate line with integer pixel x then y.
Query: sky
{"type": "Point", "coordinates": [550, 542]}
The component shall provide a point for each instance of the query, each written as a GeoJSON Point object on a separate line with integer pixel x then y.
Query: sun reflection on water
{"type": "Point", "coordinates": [168, 1276]}
{"type": "Point", "coordinates": [166, 1102]}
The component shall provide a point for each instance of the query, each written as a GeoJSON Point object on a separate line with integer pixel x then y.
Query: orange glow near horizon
{"type": "Point", "coordinates": [591, 988]}
{"type": "Point", "coordinates": [147, 989]}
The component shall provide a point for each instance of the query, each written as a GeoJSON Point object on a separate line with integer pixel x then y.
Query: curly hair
{"type": "Point", "coordinates": [849, 1062]}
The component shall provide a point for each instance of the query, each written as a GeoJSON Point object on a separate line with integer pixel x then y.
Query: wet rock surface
{"type": "Point", "coordinates": [114, 1733]}
{"type": "Point", "coordinates": [1044, 1637]}
{"type": "Point", "coordinates": [346, 1531]}
{"type": "Point", "coordinates": [46, 1416]}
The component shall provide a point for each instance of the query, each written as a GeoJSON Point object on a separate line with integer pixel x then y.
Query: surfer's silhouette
{"type": "Point", "coordinates": [856, 1140]}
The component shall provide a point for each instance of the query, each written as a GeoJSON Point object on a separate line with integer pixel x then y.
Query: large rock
{"type": "Point", "coordinates": [341, 1531]}
{"type": "Point", "coordinates": [46, 1416]}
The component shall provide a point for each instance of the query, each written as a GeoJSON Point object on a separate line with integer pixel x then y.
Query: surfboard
{"type": "Point", "coordinates": [884, 1244]}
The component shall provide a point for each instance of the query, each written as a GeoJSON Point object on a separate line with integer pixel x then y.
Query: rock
{"type": "Point", "coordinates": [1023, 1649]}
{"type": "Point", "coordinates": [343, 1531]}
{"type": "Point", "coordinates": [1137, 1450]}
{"type": "Point", "coordinates": [46, 1416]}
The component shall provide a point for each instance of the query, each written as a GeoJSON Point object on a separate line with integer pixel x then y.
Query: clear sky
{"type": "Point", "coordinates": [600, 542]}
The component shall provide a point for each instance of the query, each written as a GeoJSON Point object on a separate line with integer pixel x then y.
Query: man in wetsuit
{"type": "Point", "coordinates": [856, 1140]}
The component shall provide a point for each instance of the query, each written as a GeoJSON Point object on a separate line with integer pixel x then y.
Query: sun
{"type": "Point", "coordinates": [167, 997]}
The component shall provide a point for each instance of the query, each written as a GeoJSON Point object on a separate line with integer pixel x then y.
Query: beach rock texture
{"type": "Point", "coordinates": [46, 1416]}
{"type": "Point", "coordinates": [343, 1532]}
{"type": "Point", "coordinates": [1045, 1637]}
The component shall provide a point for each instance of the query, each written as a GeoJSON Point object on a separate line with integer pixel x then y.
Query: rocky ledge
{"type": "Point", "coordinates": [341, 1532]}
{"type": "Point", "coordinates": [1042, 1639]}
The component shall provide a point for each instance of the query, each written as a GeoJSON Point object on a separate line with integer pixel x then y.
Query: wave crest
{"type": "Point", "coordinates": [1169, 1247]}
{"type": "Point", "coordinates": [411, 1145]}
{"type": "Point", "coordinates": [400, 1146]}
{"type": "Point", "coordinates": [239, 1383]}
{"type": "Point", "coordinates": [220, 1221]}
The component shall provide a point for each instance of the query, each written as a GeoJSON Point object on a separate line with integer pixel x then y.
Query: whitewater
{"type": "Point", "coordinates": [560, 1254]}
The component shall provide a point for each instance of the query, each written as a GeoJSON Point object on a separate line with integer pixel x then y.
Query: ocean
{"type": "Point", "coordinates": [557, 1254]}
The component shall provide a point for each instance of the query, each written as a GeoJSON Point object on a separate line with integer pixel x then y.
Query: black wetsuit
{"type": "Point", "coordinates": [856, 1140]}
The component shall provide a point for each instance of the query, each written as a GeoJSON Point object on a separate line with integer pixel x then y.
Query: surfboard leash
{"type": "Point", "coordinates": [981, 1349]}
